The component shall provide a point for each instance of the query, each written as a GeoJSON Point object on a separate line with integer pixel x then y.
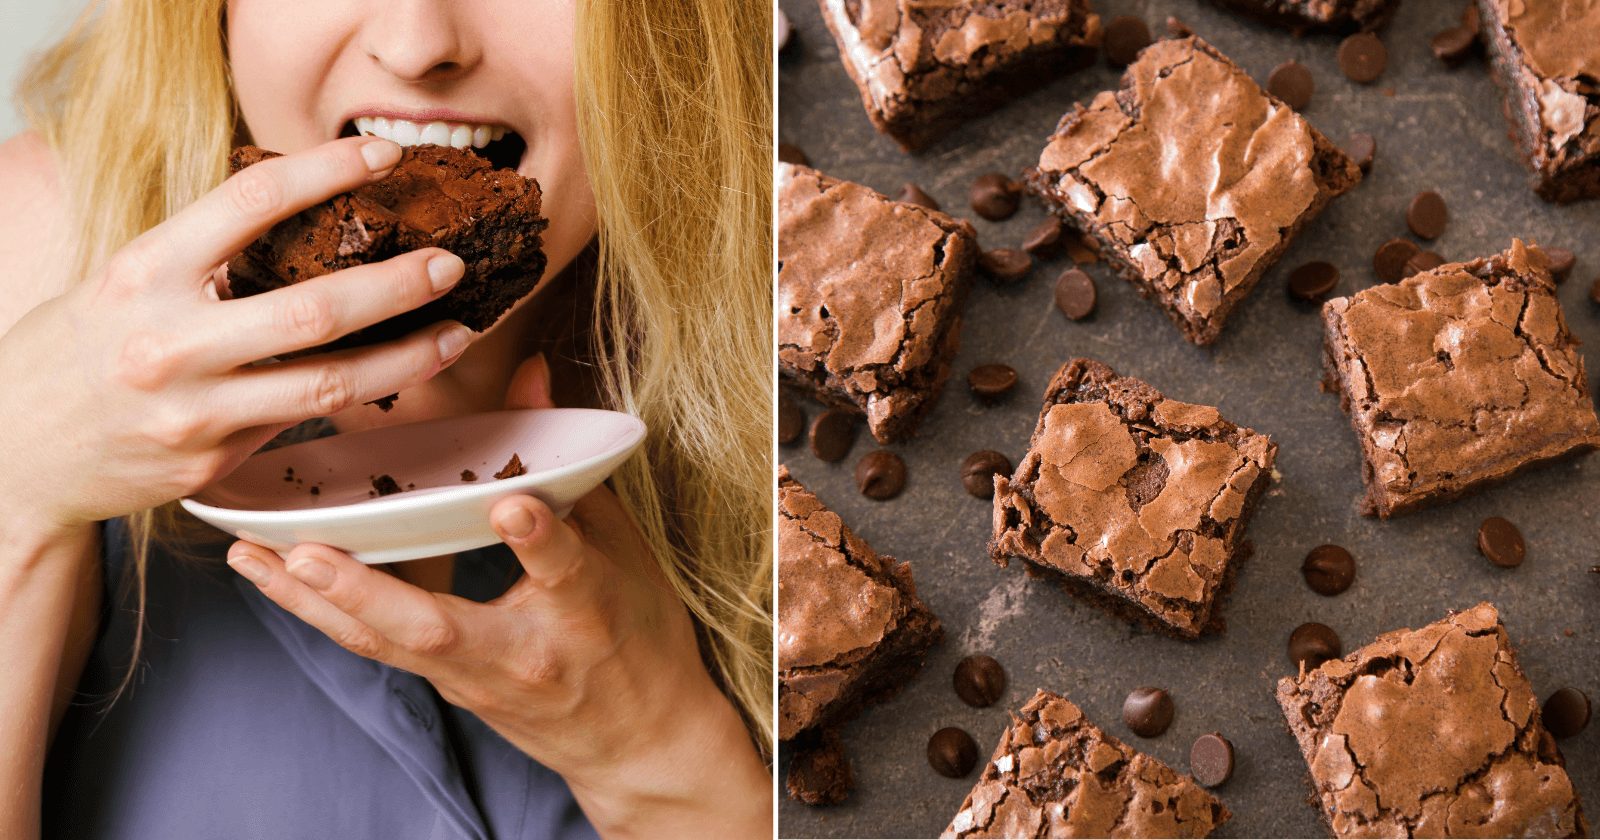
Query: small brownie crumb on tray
{"type": "Point", "coordinates": [1055, 774]}
{"type": "Point", "coordinates": [1140, 502]}
{"type": "Point", "coordinates": [512, 469]}
{"type": "Point", "coordinates": [1431, 733]}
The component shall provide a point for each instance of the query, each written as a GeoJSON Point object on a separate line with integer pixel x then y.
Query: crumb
{"type": "Point", "coordinates": [512, 468]}
{"type": "Point", "coordinates": [385, 485]}
{"type": "Point", "coordinates": [316, 491]}
{"type": "Point", "coordinates": [469, 475]}
{"type": "Point", "coordinates": [411, 486]}
{"type": "Point", "coordinates": [1568, 633]}
{"type": "Point", "coordinates": [385, 403]}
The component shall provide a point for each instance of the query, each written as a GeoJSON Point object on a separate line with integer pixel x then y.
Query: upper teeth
{"type": "Point", "coordinates": [408, 133]}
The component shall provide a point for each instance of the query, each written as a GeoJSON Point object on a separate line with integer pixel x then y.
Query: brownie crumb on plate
{"type": "Point", "coordinates": [385, 485]}
{"type": "Point", "coordinates": [513, 468]}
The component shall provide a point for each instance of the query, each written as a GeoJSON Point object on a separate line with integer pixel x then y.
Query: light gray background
{"type": "Point", "coordinates": [26, 26]}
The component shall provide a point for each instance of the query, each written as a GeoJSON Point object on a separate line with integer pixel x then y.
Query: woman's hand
{"type": "Point", "coordinates": [136, 386]}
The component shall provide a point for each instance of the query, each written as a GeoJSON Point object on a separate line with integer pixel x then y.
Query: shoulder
{"type": "Point", "coordinates": [33, 227]}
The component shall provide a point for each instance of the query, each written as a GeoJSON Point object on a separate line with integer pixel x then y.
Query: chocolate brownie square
{"type": "Point", "coordinates": [1337, 15]}
{"type": "Point", "coordinates": [851, 631]}
{"type": "Point", "coordinates": [1055, 774]}
{"type": "Point", "coordinates": [1546, 59]}
{"type": "Point", "coordinates": [923, 68]}
{"type": "Point", "coordinates": [869, 297]}
{"type": "Point", "coordinates": [437, 196]}
{"type": "Point", "coordinates": [1140, 502]}
{"type": "Point", "coordinates": [1431, 733]}
{"type": "Point", "coordinates": [1457, 377]}
{"type": "Point", "coordinates": [1190, 181]}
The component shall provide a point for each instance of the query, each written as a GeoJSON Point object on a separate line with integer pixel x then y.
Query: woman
{"type": "Point", "coordinates": [617, 662]}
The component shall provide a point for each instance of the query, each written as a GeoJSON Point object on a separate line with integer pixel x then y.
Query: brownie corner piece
{"type": "Point", "coordinates": [870, 292]}
{"type": "Point", "coordinates": [1433, 732]}
{"type": "Point", "coordinates": [923, 68]}
{"type": "Point", "coordinates": [1333, 15]}
{"type": "Point", "coordinates": [1546, 62]}
{"type": "Point", "coordinates": [1137, 501]}
{"type": "Point", "coordinates": [1457, 378]}
{"type": "Point", "coordinates": [1190, 181]}
{"type": "Point", "coordinates": [1055, 774]}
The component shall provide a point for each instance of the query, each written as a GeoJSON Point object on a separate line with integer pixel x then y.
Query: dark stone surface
{"type": "Point", "coordinates": [1442, 130]}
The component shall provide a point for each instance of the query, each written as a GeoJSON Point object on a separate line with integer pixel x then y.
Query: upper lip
{"type": "Point", "coordinates": [423, 115]}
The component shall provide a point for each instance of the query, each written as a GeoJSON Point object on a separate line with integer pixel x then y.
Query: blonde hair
{"type": "Point", "coordinates": [674, 116]}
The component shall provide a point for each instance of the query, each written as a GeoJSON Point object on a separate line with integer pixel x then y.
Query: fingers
{"type": "Point", "coordinates": [559, 571]}
{"type": "Point", "coordinates": [267, 570]}
{"type": "Point", "coordinates": [530, 385]}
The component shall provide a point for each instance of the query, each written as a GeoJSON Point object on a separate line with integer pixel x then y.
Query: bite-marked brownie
{"type": "Point", "coordinates": [1190, 181]}
{"type": "Point", "coordinates": [869, 297]}
{"type": "Point", "coordinates": [923, 68]}
{"type": "Point", "coordinates": [1337, 15]}
{"type": "Point", "coordinates": [437, 196]}
{"type": "Point", "coordinates": [1139, 502]}
{"type": "Point", "coordinates": [1546, 60]}
{"type": "Point", "coordinates": [1457, 377]}
{"type": "Point", "coordinates": [1055, 774]}
{"type": "Point", "coordinates": [1431, 733]}
{"type": "Point", "coordinates": [851, 631]}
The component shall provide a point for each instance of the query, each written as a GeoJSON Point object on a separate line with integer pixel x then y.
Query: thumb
{"type": "Point", "coordinates": [530, 385]}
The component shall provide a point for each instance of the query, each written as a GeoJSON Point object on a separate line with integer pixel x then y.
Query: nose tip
{"type": "Point", "coordinates": [420, 40]}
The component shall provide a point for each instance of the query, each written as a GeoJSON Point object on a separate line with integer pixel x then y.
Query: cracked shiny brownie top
{"type": "Point", "coordinates": [1458, 376]}
{"type": "Point", "coordinates": [1191, 180]}
{"type": "Point", "coordinates": [1139, 500]}
{"type": "Point", "coordinates": [869, 297]}
{"type": "Point", "coordinates": [1055, 774]}
{"type": "Point", "coordinates": [1431, 733]}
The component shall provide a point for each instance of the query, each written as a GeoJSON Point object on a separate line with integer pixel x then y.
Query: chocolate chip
{"type": "Point", "coordinates": [913, 194]}
{"type": "Point", "coordinates": [881, 475]}
{"type": "Point", "coordinates": [1501, 542]}
{"type": "Point", "coordinates": [784, 30]}
{"type": "Point", "coordinates": [790, 153]}
{"type": "Point", "coordinates": [1423, 261]}
{"type": "Point", "coordinates": [1075, 294]}
{"type": "Point", "coordinates": [832, 434]}
{"type": "Point", "coordinates": [995, 196]}
{"type": "Point", "coordinates": [1312, 644]}
{"type": "Point", "coordinates": [1361, 148]}
{"type": "Point", "coordinates": [1292, 82]}
{"type": "Point", "coordinates": [952, 752]}
{"type": "Point", "coordinates": [1124, 37]}
{"type": "Point", "coordinates": [1470, 19]}
{"type": "Point", "coordinates": [1211, 759]}
{"type": "Point", "coordinates": [980, 681]}
{"type": "Point", "coordinates": [1005, 265]}
{"type": "Point", "coordinates": [979, 469]}
{"type": "Point", "coordinates": [1426, 215]}
{"type": "Point", "coordinates": [1454, 45]}
{"type": "Point", "coordinates": [1561, 262]}
{"type": "Point", "coordinates": [1148, 711]}
{"type": "Point", "coordinates": [992, 381]}
{"type": "Point", "coordinates": [1362, 58]}
{"type": "Point", "coordinates": [1594, 291]}
{"type": "Point", "coordinates": [1313, 281]}
{"type": "Point", "coordinates": [791, 420]}
{"type": "Point", "coordinates": [1566, 712]}
{"type": "Point", "coordinates": [1329, 569]}
{"type": "Point", "coordinates": [1081, 250]}
{"type": "Point", "coordinates": [1389, 263]}
{"type": "Point", "coordinates": [1044, 241]}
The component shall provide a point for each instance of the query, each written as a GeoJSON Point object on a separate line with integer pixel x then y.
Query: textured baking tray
{"type": "Point", "coordinates": [1436, 129]}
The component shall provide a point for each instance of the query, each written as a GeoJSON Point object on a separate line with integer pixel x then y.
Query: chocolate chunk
{"type": "Point", "coordinates": [1423, 261]}
{"type": "Point", "coordinates": [1005, 265]}
{"type": "Point", "coordinates": [791, 420]}
{"type": "Point", "coordinates": [1124, 37]}
{"type": "Point", "coordinates": [513, 468]}
{"type": "Point", "coordinates": [1566, 712]}
{"type": "Point", "coordinates": [992, 381]}
{"type": "Point", "coordinates": [1148, 711]}
{"type": "Point", "coordinates": [832, 434]}
{"type": "Point", "coordinates": [1211, 759]}
{"type": "Point", "coordinates": [1389, 263]}
{"type": "Point", "coordinates": [1292, 82]}
{"type": "Point", "coordinates": [1561, 262]}
{"type": "Point", "coordinates": [1454, 45]}
{"type": "Point", "coordinates": [1361, 148]}
{"type": "Point", "coordinates": [1312, 644]}
{"type": "Point", "coordinates": [785, 31]}
{"type": "Point", "coordinates": [1075, 294]}
{"type": "Point", "coordinates": [1426, 215]}
{"type": "Point", "coordinates": [881, 475]}
{"type": "Point", "coordinates": [1044, 241]}
{"type": "Point", "coordinates": [995, 196]}
{"type": "Point", "coordinates": [1313, 281]}
{"type": "Point", "coordinates": [385, 485]}
{"type": "Point", "coordinates": [1501, 542]}
{"type": "Point", "coordinates": [913, 194]}
{"type": "Point", "coordinates": [952, 752]}
{"type": "Point", "coordinates": [979, 469]}
{"type": "Point", "coordinates": [466, 475]}
{"type": "Point", "coordinates": [790, 153]}
{"type": "Point", "coordinates": [1328, 569]}
{"type": "Point", "coordinates": [1362, 58]}
{"type": "Point", "coordinates": [980, 681]}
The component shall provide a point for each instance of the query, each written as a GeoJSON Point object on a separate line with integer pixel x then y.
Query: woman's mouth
{"type": "Point", "coordinates": [501, 146]}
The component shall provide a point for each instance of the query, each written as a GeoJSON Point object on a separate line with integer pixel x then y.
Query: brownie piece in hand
{"type": "Point", "coordinates": [1338, 15]}
{"type": "Point", "coordinates": [1139, 501]}
{"type": "Point", "coordinates": [1546, 58]}
{"type": "Point", "coordinates": [924, 68]}
{"type": "Point", "coordinates": [1457, 377]}
{"type": "Point", "coordinates": [1055, 774]}
{"type": "Point", "coordinates": [1190, 181]}
{"type": "Point", "coordinates": [437, 196]}
{"type": "Point", "coordinates": [1431, 733]}
{"type": "Point", "coordinates": [851, 631]}
{"type": "Point", "coordinates": [869, 297]}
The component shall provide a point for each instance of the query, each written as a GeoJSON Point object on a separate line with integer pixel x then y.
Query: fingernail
{"type": "Point", "coordinates": [518, 523]}
{"type": "Point", "coordinates": [453, 340]}
{"type": "Point", "coordinates": [380, 155]}
{"type": "Point", "coordinates": [444, 270]}
{"type": "Point", "coordinates": [312, 572]}
{"type": "Point", "coordinates": [250, 568]}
